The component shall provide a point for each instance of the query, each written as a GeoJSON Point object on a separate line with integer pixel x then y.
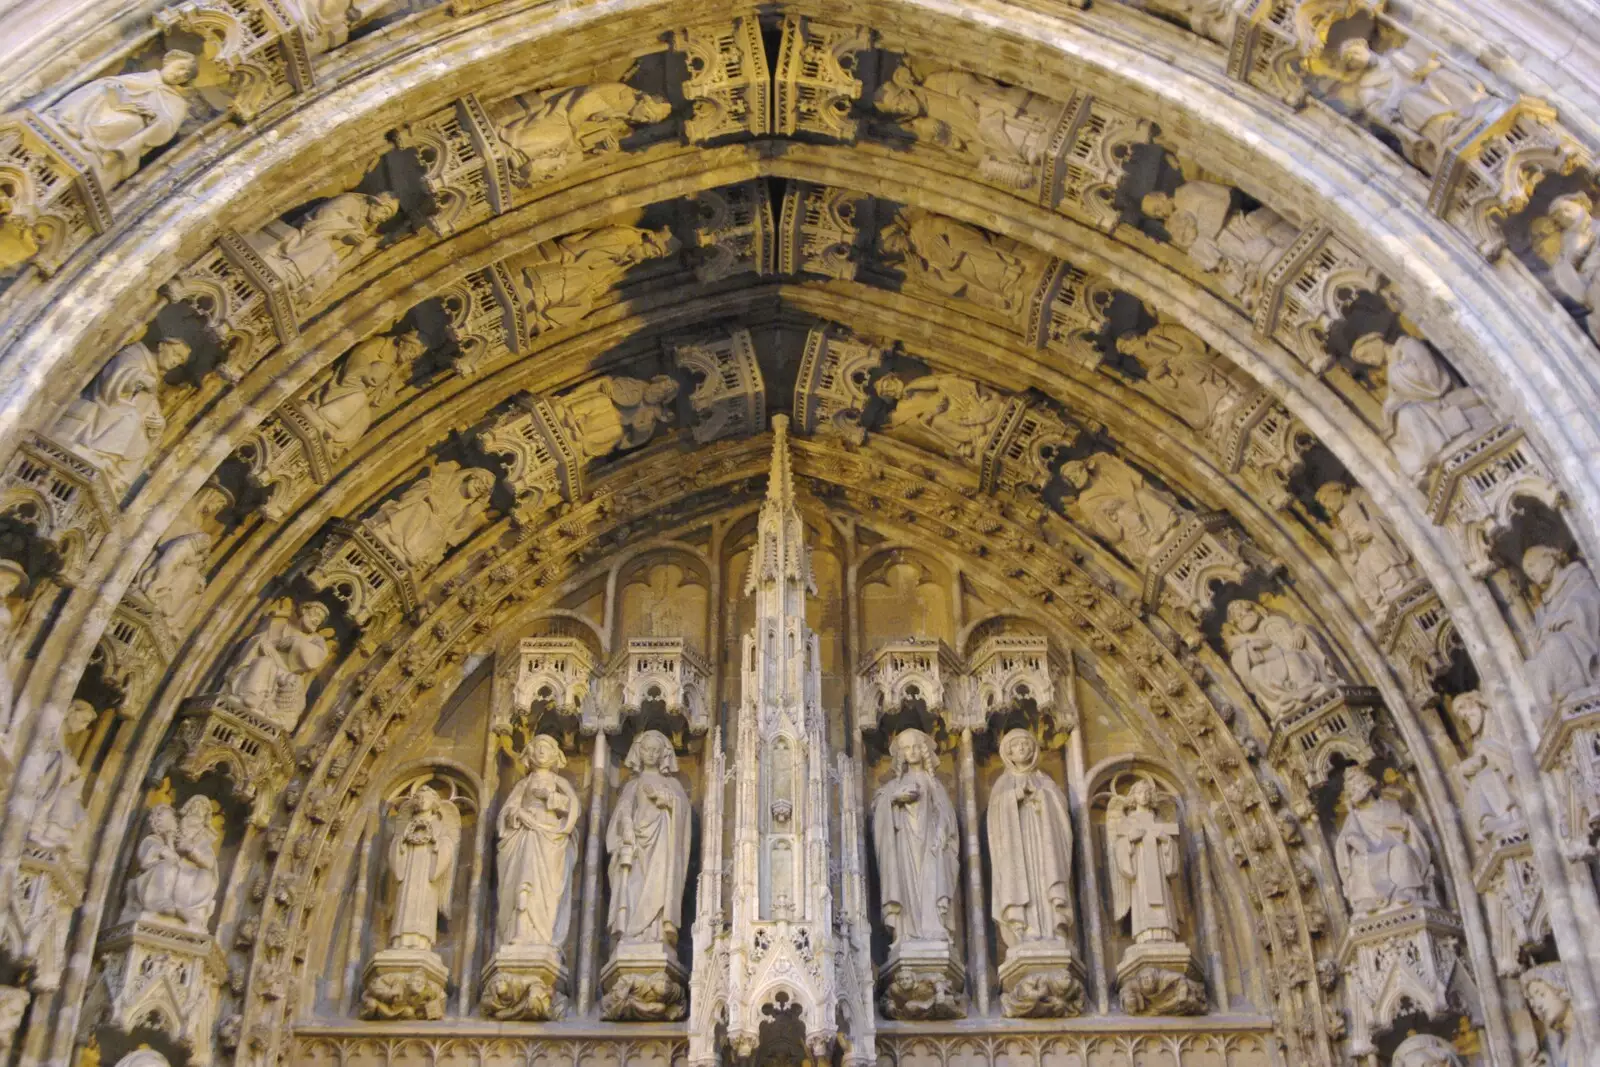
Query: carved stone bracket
{"type": "Point", "coordinates": [1068, 312]}
{"type": "Point", "coordinates": [906, 671]}
{"type": "Point", "coordinates": [1569, 748]}
{"type": "Point", "coordinates": [667, 669]}
{"type": "Point", "coordinates": [216, 731]}
{"type": "Point", "coordinates": [1273, 38]}
{"type": "Point", "coordinates": [1307, 290]}
{"type": "Point", "coordinates": [820, 230]}
{"type": "Point", "coordinates": [558, 674]}
{"type": "Point", "coordinates": [730, 399]}
{"type": "Point", "coordinates": [464, 165]}
{"type": "Point", "coordinates": [242, 302]}
{"type": "Point", "coordinates": [1160, 978]}
{"type": "Point", "coordinates": [831, 389]}
{"type": "Point", "coordinates": [67, 500]}
{"type": "Point", "coordinates": [287, 456]}
{"type": "Point", "coordinates": [734, 230]}
{"type": "Point", "coordinates": [1473, 490]}
{"type": "Point", "coordinates": [545, 468]}
{"type": "Point", "coordinates": [644, 982]}
{"type": "Point", "coordinates": [923, 980]}
{"type": "Point", "coordinates": [259, 44]}
{"type": "Point", "coordinates": [155, 973]}
{"type": "Point", "coordinates": [1089, 152]}
{"type": "Point", "coordinates": [1341, 723]}
{"type": "Point", "coordinates": [1261, 437]}
{"type": "Point", "coordinates": [1418, 635]}
{"type": "Point", "coordinates": [1024, 448]}
{"type": "Point", "coordinates": [1514, 899]}
{"type": "Point", "coordinates": [1041, 980]}
{"type": "Point", "coordinates": [52, 201]}
{"type": "Point", "coordinates": [1193, 556]}
{"type": "Point", "coordinates": [485, 320]}
{"type": "Point", "coordinates": [816, 80]}
{"type": "Point", "coordinates": [134, 652]}
{"type": "Point", "coordinates": [1400, 960]}
{"type": "Point", "coordinates": [45, 889]}
{"type": "Point", "coordinates": [364, 575]}
{"type": "Point", "coordinates": [728, 82]}
{"type": "Point", "coordinates": [404, 983]}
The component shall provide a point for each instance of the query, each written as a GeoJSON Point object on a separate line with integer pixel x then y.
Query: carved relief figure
{"type": "Point", "coordinates": [341, 408]}
{"type": "Point", "coordinates": [173, 577]}
{"type": "Point", "coordinates": [269, 678]}
{"type": "Point", "coordinates": [176, 865]}
{"type": "Point", "coordinates": [1491, 808]}
{"type": "Point", "coordinates": [1566, 239]}
{"type": "Point", "coordinates": [958, 411]}
{"type": "Point", "coordinates": [1238, 247]}
{"type": "Point", "coordinates": [1030, 843]}
{"type": "Point", "coordinates": [1181, 374]}
{"type": "Point", "coordinates": [1378, 564]}
{"type": "Point", "coordinates": [328, 23]}
{"type": "Point", "coordinates": [915, 836]}
{"type": "Point", "coordinates": [566, 276]}
{"type": "Point", "coordinates": [1006, 127]}
{"type": "Point", "coordinates": [1413, 95]}
{"type": "Point", "coordinates": [648, 842]}
{"type": "Point", "coordinates": [604, 415]}
{"type": "Point", "coordinates": [1279, 660]}
{"type": "Point", "coordinates": [1425, 1050]}
{"type": "Point", "coordinates": [422, 868]}
{"type": "Point", "coordinates": [118, 419]}
{"type": "Point", "coordinates": [538, 851]}
{"type": "Point", "coordinates": [337, 235]}
{"type": "Point", "coordinates": [1144, 860]}
{"type": "Point", "coordinates": [122, 118]}
{"type": "Point", "coordinates": [1213, 19]}
{"type": "Point", "coordinates": [956, 260]}
{"type": "Point", "coordinates": [1118, 506]}
{"type": "Point", "coordinates": [434, 515]}
{"type": "Point", "coordinates": [1564, 656]}
{"type": "Point", "coordinates": [1381, 852]}
{"type": "Point", "coordinates": [58, 824]}
{"type": "Point", "coordinates": [551, 132]}
{"type": "Point", "coordinates": [1550, 999]}
{"type": "Point", "coordinates": [1425, 410]}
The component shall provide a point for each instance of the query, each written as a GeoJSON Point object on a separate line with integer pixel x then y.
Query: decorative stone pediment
{"type": "Point", "coordinates": [155, 973]}
{"type": "Point", "coordinates": [219, 732]}
{"type": "Point", "coordinates": [1514, 896]}
{"type": "Point", "coordinates": [914, 670]}
{"type": "Point", "coordinates": [1569, 747]}
{"type": "Point", "coordinates": [821, 230]}
{"type": "Point", "coordinates": [817, 79]}
{"type": "Point", "coordinates": [1339, 722]}
{"type": "Point", "coordinates": [1474, 486]}
{"type": "Point", "coordinates": [45, 889]}
{"type": "Point", "coordinates": [1010, 670]}
{"type": "Point", "coordinates": [728, 83]}
{"type": "Point", "coordinates": [55, 201]}
{"type": "Point", "coordinates": [734, 231]}
{"type": "Point", "coordinates": [1398, 961]}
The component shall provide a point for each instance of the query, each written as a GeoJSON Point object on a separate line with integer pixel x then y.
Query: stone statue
{"type": "Point", "coordinates": [327, 23]}
{"type": "Point", "coordinates": [551, 132]}
{"type": "Point", "coordinates": [953, 259]}
{"type": "Point", "coordinates": [1118, 506]}
{"type": "Point", "coordinates": [648, 841]}
{"type": "Point", "coordinates": [1278, 659]}
{"type": "Point", "coordinates": [269, 677]}
{"type": "Point", "coordinates": [537, 851]}
{"type": "Point", "coordinates": [1236, 246]}
{"type": "Point", "coordinates": [58, 824]}
{"type": "Point", "coordinates": [1144, 860]}
{"type": "Point", "coordinates": [1181, 374]}
{"type": "Point", "coordinates": [1379, 565]}
{"type": "Point", "coordinates": [1492, 809]}
{"type": "Point", "coordinates": [1549, 997]}
{"type": "Point", "coordinates": [118, 419]}
{"type": "Point", "coordinates": [1565, 238]}
{"type": "Point", "coordinates": [176, 865]}
{"type": "Point", "coordinates": [1030, 843]}
{"type": "Point", "coordinates": [1007, 128]}
{"type": "Point", "coordinates": [122, 118]}
{"type": "Point", "coordinates": [1425, 1050]}
{"type": "Point", "coordinates": [341, 408]}
{"type": "Point", "coordinates": [1213, 19]}
{"type": "Point", "coordinates": [605, 415]}
{"type": "Point", "coordinates": [173, 577]}
{"type": "Point", "coordinates": [422, 867]}
{"type": "Point", "coordinates": [434, 515]}
{"type": "Point", "coordinates": [915, 835]}
{"type": "Point", "coordinates": [1381, 852]}
{"type": "Point", "coordinates": [1564, 649]}
{"type": "Point", "coordinates": [140, 1057]}
{"type": "Point", "coordinates": [1413, 95]}
{"type": "Point", "coordinates": [338, 234]}
{"type": "Point", "coordinates": [565, 277]}
{"type": "Point", "coordinates": [1425, 410]}
{"type": "Point", "coordinates": [958, 411]}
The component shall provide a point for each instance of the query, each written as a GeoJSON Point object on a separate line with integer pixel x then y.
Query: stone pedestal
{"type": "Point", "coordinates": [1160, 978]}
{"type": "Point", "coordinates": [644, 982]}
{"type": "Point", "coordinates": [1041, 980]}
{"type": "Point", "coordinates": [1396, 961]}
{"type": "Point", "coordinates": [525, 982]}
{"type": "Point", "coordinates": [404, 983]}
{"type": "Point", "coordinates": [923, 980]}
{"type": "Point", "coordinates": [158, 973]}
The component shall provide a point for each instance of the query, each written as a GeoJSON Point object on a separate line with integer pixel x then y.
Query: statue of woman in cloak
{"type": "Point", "coordinates": [1565, 653]}
{"type": "Point", "coordinates": [1424, 409]}
{"type": "Point", "coordinates": [538, 851]}
{"type": "Point", "coordinates": [122, 118]}
{"type": "Point", "coordinates": [915, 834]}
{"type": "Point", "coordinates": [1030, 842]}
{"type": "Point", "coordinates": [648, 841]}
{"type": "Point", "coordinates": [422, 866]}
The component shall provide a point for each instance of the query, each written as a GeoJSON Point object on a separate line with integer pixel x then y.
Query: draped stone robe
{"type": "Point", "coordinates": [538, 851]}
{"type": "Point", "coordinates": [648, 842]}
{"type": "Point", "coordinates": [917, 856]}
{"type": "Point", "coordinates": [1030, 844]}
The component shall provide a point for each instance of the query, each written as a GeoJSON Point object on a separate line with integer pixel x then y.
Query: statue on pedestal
{"type": "Point", "coordinates": [1278, 659]}
{"type": "Point", "coordinates": [406, 980]}
{"type": "Point", "coordinates": [122, 118]}
{"type": "Point", "coordinates": [176, 877]}
{"type": "Point", "coordinates": [1381, 852]}
{"type": "Point", "coordinates": [269, 677]}
{"type": "Point", "coordinates": [1157, 975]}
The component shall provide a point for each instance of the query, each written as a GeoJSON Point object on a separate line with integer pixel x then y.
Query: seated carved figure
{"type": "Point", "coordinates": [341, 408]}
{"type": "Point", "coordinates": [1381, 852]}
{"type": "Point", "coordinates": [607, 414]}
{"type": "Point", "coordinates": [1278, 659]}
{"type": "Point", "coordinates": [563, 279]}
{"type": "Point", "coordinates": [1379, 564]}
{"type": "Point", "coordinates": [959, 412]}
{"type": "Point", "coordinates": [551, 132]}
{"type": "Point", "coordinates": [437, 513]}
{"type": "Point", "coordinates": [270, 676]}
{"type": "Point", "coordinates": [1564, 652]}
{"type": "Point", "coordinates": [340, 233]}
{"type": "Point", "coordinates": [953, 259]}
{"type": "Point", "coordinates": [1116, 503]}
{"type": "Point", "coordinates": [1008, 128]}
{"type": "Point", "coordinates": [176, 874]}
{"type": "Point", "coordinates": [1425, 410]}
{"type": "Point", "coordinates": [117, 420]}
{"type": "Point", "coordinates": [1236, 246]}
{"type": "Point", "coordinates": [123, 118]}
{"type": "Point", "coordinates": [1414, 95]}
{"type": "Point", "coordinates": [1567, 239]}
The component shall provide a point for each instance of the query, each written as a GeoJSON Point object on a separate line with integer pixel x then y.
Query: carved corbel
{"type": "Point", "coordinates": [484, 319]}
{"type": "Point", "coordinates": [1200, 552]}
{"type": "Point", "coordinates": [556, 675]}
{"type": "Point", "coordinates": [817, 79]}
{"type": "Point", "coordinates": [728, 83]}
{"type": "Point", "coordinates": [52, 201]}
{"type": "Point", "coordinates": [545, 469]}
{"type": "Point", "coordinates": [905, 672]}
{"type": "Point", "coordinates": [1569, 750]}
{"type": "Point", "coordinates": [1310, 288]}
{"type": "Point", "coordinates": [668, 670]}
{"type": "Point", "coordinates": [244, 305]}
{"type": "Point", "coordinates": [830, 392]}
{"type": "Point", "coordinates": [730, 399]}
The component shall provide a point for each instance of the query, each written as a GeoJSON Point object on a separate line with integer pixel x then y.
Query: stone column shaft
{"type": "Point", "coordinates": [588, 942]}
{"type": "Point", "coordinates": [977, 917]}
